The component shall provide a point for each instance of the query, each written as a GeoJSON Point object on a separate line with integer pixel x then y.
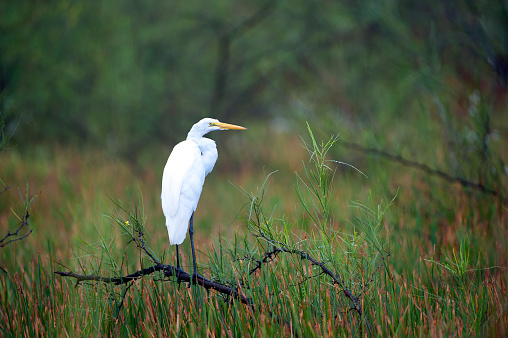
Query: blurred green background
{"type": "Point", "coordinates": [124, 75]}
{"type": "Point", "coordinates": [90, 90]}
{"type": "Point", "coordinates": [91, 85]}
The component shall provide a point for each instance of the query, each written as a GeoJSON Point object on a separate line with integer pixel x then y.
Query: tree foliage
{"type": "Point", "coordinates": [123, 73]}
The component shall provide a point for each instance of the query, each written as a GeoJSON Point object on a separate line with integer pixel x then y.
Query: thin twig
{"type": "Point", "coordinates": [268, 257]}
{"type": "Point", "coordinates": [306, 279]}
{"type": "Point", "coordinates": [140, 243]}
{"type": "Point", "coordinates": [421, 166]}
{"type": "Point", "coordinates": [374, 273]}
{"type": "Point", "coordinates": [16, 233]}
{"type": "Point", "coordinates": [123, 299]}
{"type": "Point", "coordinates": [5, 189]}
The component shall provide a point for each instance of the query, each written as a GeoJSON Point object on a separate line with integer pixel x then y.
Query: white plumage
{"type": "Point", "coordinates": [184, 175]}
{"type": "Point", "coordinates": [182, 182]}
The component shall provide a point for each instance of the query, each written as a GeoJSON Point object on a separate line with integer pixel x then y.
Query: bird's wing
{"type": "Point", "coordinates": [183, 159]}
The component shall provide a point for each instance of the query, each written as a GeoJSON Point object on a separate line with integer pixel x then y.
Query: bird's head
{"type": "Point", "coordinates": [207, 125]}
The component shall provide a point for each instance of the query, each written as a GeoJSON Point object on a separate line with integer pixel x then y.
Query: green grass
{"type": "Point", "coordinates": [445, 274]}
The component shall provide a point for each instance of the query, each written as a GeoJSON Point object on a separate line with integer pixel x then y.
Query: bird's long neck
{"type": "Point", "coordinates": [206, 146]}
{"type": "Point", "coordinates": [193, 135]}
{"type": "Point", "coordinates": [196, 132]}
{"type": "Point", "coordinates": [208, 152]}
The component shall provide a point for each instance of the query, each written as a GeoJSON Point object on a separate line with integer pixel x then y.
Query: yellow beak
{"type": "Point", "coordinates": [229, 126]}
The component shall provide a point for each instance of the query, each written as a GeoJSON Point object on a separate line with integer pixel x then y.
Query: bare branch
{"type": "Point", "coordinates": [168, 271]}
{"type": "Point", "coordinates": [306, 279]}
{"type": "Point", "coordinates": [423, 167]}
{"type": "Point", "coordinates": [269, 256]}
{"type": "Point", "coordinates": [374, 273]}
{"type": "Point", "coordinates": [123, 299]}
{"type": "Point", "coordinates": [16, 233]}
{"type": "Point", "coordinates": [140, 243]}
{"type": "Point", "coordinates": [5, 189]}
{"type": "Point", "coordinates": [14, 240]}
{"type": "Point", "coordinates": [280, 247]}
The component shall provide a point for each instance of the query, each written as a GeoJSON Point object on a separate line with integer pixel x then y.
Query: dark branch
{"type": "Point", "coordinates": [280, 247]}
{"type": "Point", "coordinates": [5, 189]}
{"type": "Point", "coordinates": [168, 271]}
{"type": "Point", "coordinates": [269, 256]}
{"type": "Point", "coordinates": [423, 167]}
{"type": "Point", "coordinates": [306, 279]}
{"type": "Point", "coordinates": [375, 272]}
{"type": "Point", "coordinates": [139, 240]}
{"type": "Point", "coordinates": [16, 233]}
{"type": "Point", "coordinates": [15, 239]}
{"type": "Point", "coordinates": [123, 299]}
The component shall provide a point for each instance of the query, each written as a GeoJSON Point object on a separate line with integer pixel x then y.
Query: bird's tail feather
{"type": "Point", "coordinates": [177, 230]}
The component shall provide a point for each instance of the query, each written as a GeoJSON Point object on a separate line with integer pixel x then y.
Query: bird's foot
{"type": "Point", "coordinates": [178, 272]}
{"type": "Point", "coordinates": [194, 279]}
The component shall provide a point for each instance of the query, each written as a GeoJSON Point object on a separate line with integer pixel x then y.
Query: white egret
{"type": "Point", "coordinates": [182, 181]}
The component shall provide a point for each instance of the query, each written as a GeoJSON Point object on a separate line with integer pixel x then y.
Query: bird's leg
{"type": "Point", "coordinates": [178, 270]}
{"type": "Point", "coordinates": [191, 234]}
{"type": "Point", "coordinates": [177, 259]}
